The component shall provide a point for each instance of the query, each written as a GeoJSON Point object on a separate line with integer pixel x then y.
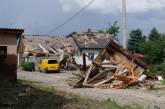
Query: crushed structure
{"type": "Point", "coordinates": [48, 45]}
{"type": "Point", "coordinates": [69, 50]}
{"type": "Point", "coordinates": [114, 67]}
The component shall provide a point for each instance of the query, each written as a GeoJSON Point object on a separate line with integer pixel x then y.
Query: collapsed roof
{"type": "Point", "coordinates": [72, 43]}
{"type": "Point", "coordinates": [48, 44]}
{"type": "Point", "coordinates": [90, 40]}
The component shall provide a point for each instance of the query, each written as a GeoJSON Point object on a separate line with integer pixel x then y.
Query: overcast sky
{"type": "Point", "coordinates": [41, 16]}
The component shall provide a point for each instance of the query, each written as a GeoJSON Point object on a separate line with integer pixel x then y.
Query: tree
{"type": "Point", "coordinates": [154, 34]}
{"type": "Point", "coordinates": [135, 40]}
{"type": "Point", "coordinates": [100, 31]}
{"type": "Point", "coordinates": [154, 51]}
{"type": "Point", "coordinates": [113, 29]}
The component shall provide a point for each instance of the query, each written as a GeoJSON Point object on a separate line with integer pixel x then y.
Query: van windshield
{"type": "Point", "coordinates": [52, 61]}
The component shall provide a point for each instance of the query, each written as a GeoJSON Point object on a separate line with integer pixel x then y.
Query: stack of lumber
{"type": "Point", "coordinates": [110, 75]}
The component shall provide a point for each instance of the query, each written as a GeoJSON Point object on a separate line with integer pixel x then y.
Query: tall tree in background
{"type": "Point", "coordinates": [154, 34]}
{"type": "Point", "coordinates": [135, 40]}
{"type": "Point", "coordinates": [154, 51]}
{"type": "Point", "coordinates": [100, 31]}
{"type": "Point", "coordinates": [154, 47]}
{"type": "Point", "coordinates": [113, 29]}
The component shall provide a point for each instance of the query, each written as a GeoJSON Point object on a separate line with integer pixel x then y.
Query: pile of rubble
{"type": "Point", "coordinates": [113, 68]}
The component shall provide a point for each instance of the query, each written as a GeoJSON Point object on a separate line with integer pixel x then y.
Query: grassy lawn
{"type": "Point", "coordinates": [25, 95]}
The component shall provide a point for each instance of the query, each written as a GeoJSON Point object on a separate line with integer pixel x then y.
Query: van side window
{"type": "Point", "coordinates": [52, 62]}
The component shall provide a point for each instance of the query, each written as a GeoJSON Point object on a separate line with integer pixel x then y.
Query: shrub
{"type": "Point", "coordinates": [28, 66]}
{"type": "Point", "coordinates": [158, 69]}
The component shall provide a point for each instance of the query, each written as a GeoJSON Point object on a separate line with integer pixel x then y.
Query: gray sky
{"type": "Point", "coordinates": [41, 16]}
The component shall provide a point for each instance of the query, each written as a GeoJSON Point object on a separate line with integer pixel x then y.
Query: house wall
{"type": "Point", "coordinates": [21, 48]}
{"type": "Point", "coordinates": [79, 56]}
{"type": "Point", "coordinates": [8, 65]}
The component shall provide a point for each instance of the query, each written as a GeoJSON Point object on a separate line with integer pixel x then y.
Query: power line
{"type": "Point", "coordinates": [72, 17]}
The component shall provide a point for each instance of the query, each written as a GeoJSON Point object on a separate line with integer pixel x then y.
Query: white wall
{"type": "Point", "coordinates": [79, 57]}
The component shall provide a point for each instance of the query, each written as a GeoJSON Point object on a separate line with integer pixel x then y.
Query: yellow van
{"type": "Point", "coordinates": [49, 65]}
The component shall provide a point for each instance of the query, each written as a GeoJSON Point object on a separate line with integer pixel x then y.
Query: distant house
{"type": "Point", "coordinates": [90, 44]}
{"type": "Point", "coordinates": [8, 53]}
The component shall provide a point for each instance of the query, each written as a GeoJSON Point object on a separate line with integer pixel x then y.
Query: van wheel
{"type": "Point", "coordinates": [45, 71]}
{"type": "Point", "coordinates": [58, 71]}
{"type": "Point", "coordinates": [39, 70]}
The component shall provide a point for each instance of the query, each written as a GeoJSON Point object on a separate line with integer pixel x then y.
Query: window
{"type": "Point", "coordinates": [52, 62]}
{"type": "Point", "coordinates": [3, 52]}
{"type": "Point", "coordinates": [91, 55]}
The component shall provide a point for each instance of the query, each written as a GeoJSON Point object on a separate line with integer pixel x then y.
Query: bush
{"type": "Point", "coordinates": [28, 66]}
{"type": "Point", "coordinates": [158, 69]}
{"type": "Point", "coordinates": [154, 51]}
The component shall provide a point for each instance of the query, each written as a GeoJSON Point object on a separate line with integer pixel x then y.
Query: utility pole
{"type": "Point", "coordinates": [124, 24]}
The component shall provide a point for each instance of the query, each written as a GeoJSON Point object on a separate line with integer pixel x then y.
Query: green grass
{"type": "Point", "coordinates": [163, 82]}
{"type": "Point", "coordinates": [27, 95]}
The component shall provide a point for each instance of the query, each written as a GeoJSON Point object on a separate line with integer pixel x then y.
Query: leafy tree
{"type": "Point", "coordinates": [154, 51]}
{"type": "Point", "coordinates": [113, 29]}
{"type": "Point", "coordinates": [154, 34]}
{"type": "Point", "coordinates": [135, 40]}
{"type": "Point", "coordinates": [100, 31]}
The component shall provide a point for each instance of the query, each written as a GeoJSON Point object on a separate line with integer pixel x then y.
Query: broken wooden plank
{"type": "Point", "coordinates": [100, 83]}
{"type": "Point", "coordinates": [96, 76]}
{"type": "Point", "coordinates": [123, 78]}
{"type": "Point", "coordinates": [79, 75]}
{"type": "Point", "coordinates": [78, 84]}
{"type": "Point", "coordinates": [87, 74]}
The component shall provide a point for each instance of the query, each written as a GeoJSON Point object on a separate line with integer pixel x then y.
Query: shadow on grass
{"type": "Point", "coordinates": [27, 95]}
{"type": "Point", "coordinates": [20, 95]}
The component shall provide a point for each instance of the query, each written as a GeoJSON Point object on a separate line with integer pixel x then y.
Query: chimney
{"type": "Point", "coordinates": [89, 30]}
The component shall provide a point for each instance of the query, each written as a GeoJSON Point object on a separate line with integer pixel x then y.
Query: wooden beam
{"type": "Point", "coordinates": [87, 74]}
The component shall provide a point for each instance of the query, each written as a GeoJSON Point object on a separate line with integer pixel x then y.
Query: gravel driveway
{"type": "Point", "coordinates": [153, 99]}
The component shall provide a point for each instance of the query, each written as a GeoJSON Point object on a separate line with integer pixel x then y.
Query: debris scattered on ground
{"type": "Point", "coordinates": [160, 78]}
{"type": "Point", "coordinates": [113, 68]}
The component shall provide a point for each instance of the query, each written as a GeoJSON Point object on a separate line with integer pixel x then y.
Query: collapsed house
{"type": "Point", "coordinates": [67, 49]}
{"type": "Point", "coordinates": [114, 67]}
{"type": "Point", "coordinates": [89, 43]}
{"type": "Point", "coordinates": [38, 47]}
{"type": "Point", "coordinates": [47, 45]}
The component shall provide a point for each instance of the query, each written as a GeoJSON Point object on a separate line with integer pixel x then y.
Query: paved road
{"type": "Point", "coordinates": [154, 99]}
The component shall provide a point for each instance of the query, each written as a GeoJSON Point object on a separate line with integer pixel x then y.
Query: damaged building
{"type": "Point", "coordinates": [114, 67]}
{"type": "Point", "coordinates": [73, 46]}
{"type": "Point", "coordinates": [48, 47]}
{"type": "Point", "coordinates": [89, 44]}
